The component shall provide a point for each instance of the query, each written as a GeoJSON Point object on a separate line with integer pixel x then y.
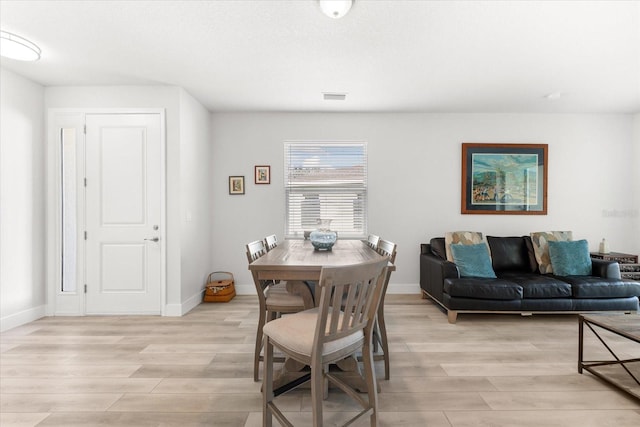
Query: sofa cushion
{"type": "Point", "coordinates": [570, 258]}
{"type": "Point", "coordinates": [539, 286]}
{"type": "Point", "coordinates": [547, 304]}
{"type": "Point", "coordinates": [437, 247]}
{"type": "Point", "coordinates": [599, 287]}
{"type": "Point", "coordinates": [476, 304]}
{"type": "Point", "coordinates": [605, 304]}
{"type": "Point", "coordinates": [462, 237]}
{"type": "Point", "coordinates": [540, 240]}
{"type": "Point", "coordinates": [512, 254]}
{"type": "Point", "coordinates": [497, 289]}
{"type": "Point", "coordinates": [472, 260]}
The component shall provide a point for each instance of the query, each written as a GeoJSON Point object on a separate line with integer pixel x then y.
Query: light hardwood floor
{"type": "Point", "coordinates": [486, 370]}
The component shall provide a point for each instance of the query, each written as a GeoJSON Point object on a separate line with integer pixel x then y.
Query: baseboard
{"type": "Point", "coordinates": [23, 317]}
{"type": "Point", "coordinates": [178, 310]}
{"type": "Point", "coordinates": [403, 288]}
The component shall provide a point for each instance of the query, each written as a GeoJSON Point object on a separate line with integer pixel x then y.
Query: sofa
{"type": "Point", "coordinates": [518, 285]}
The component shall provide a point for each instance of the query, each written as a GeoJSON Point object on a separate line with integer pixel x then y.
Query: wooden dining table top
{"type": "Point", "coordinates": [298, 260]}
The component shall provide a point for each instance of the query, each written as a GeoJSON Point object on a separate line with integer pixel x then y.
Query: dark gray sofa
{"type": "Point", "coordinates": [519, 286]}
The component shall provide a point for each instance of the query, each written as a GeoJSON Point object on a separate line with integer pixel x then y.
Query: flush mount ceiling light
{"type": "Point", "coordinates": [16, 47]}
{"type": "Point", "coordinates": [335, 9]}
{"type": "Point", "coordinates": [334, 96]}
{"type": "Point", "coordinates": [553, 95]}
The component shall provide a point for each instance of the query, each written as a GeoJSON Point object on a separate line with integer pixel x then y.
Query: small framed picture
{"type": "Point", "coordinates": [263, 174]}
{"type": "Point", "coordinates": [236, 185]}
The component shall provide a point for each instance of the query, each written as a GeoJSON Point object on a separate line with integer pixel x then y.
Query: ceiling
{"type": "Point", "coordinates": [387, 56]}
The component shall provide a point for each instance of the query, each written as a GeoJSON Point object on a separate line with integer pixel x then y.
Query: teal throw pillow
{"type": "Point", "coordinates": [473, 260]}
{"type": "Point", "coordinates": [570, 258]}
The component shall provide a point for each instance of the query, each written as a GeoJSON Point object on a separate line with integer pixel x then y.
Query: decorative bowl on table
{"type": "Point", "coordinates": [323, 238]}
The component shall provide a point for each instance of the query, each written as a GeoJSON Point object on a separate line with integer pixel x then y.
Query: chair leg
{"type": "Point", "coordinates": [270, 315]}
{"type": "Point", "coordinates": [256, 356]}
{"type": "Point", "coordinates": [382, 330]}
{"type": "Point", "coordinates": [317, 393]}
{"type": "Point", "coordinates": [370, 380]}
{"type": "Point", "coordinates": [267, 384]}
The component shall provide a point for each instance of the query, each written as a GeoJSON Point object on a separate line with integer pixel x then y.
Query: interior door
{"type": "Point", "coordinates": [123, 213]}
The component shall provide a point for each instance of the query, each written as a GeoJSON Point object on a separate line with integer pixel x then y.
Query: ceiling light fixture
{"type": "Point", "coordinates": [335, 9]}
{"type": "Point", "coordinates": [334, 96]}
{"type": "Point", "coordinates": [553, 95]}
{"type": "Point", "coordinates": [16, 47]}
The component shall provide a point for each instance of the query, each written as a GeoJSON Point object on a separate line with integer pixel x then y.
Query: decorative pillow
{"type": "Point", "coordinates": [461, 237]}
{"type": "Point", "coordinates": [540, 240]}
{"type": "Point", "coordinates": [473, 260]}
{"type": "Point", "coordinates": [570, 258]}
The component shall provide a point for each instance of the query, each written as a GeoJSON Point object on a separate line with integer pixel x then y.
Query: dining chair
{"type": "Point", "coordinates": [274, 300]}
{"type": "Point", "coordinates": [270, 242]}
{"type": "Point", "coordinates": [372, 241]}
{"type": "Point", "coordinates": [339, 327]}
{"type": "Point", "coordinates": [388, 249]}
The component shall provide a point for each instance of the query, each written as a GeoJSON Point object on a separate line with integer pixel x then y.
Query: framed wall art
{"type": "Point", "coordinates": [262, 174]}
{"type": "Point", "coordinates": [504, 179]}
{"type": "Point", "coordinates": [236, 185]}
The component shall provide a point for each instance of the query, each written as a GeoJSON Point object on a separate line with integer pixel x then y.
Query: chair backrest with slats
{"type": "Point", "coordinates": [349, 298]}
{"type": "Point", "coordinates": [387, 248]}
{"type": "Point", "coordinates": [255, 250]}
{"type": "Point", "coordinates": [270, 242]}
{"type": "Point", "coordinates": [372, 241]}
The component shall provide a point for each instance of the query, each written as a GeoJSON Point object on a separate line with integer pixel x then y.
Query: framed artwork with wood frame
{"type": "Point", "coordinates": [504, 179]}
{"type": "Point", "coordinates": [236, 185]}
{"type": "Point", "coordinates": [262, 174]}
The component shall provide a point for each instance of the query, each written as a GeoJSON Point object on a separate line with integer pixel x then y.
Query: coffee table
{"type": "Point", "coordinates": [621, 373]}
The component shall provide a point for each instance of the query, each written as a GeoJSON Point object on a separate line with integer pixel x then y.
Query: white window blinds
{"type": "Point", "coordinates": [328, 181]}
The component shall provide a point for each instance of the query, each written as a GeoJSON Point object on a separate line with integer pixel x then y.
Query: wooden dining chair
{"type": "Point", "coordinates": [270, 242]}
{"type": "Point", "coordinates": [340, 326]}
{"type": "Point", "coordinates": [372, 241]}
{"type": "Point", "coordinates": [388, 249]}
{"type": "Point", "coordinates": [274, 300]}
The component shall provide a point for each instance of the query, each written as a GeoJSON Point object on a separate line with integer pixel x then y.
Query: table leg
{"type": "Point", "coordinates": [298, 287]}
{"type": "Point", "coordinates": [580, 343]}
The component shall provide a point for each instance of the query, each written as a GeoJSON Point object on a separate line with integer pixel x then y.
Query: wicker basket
{"type": "Point", "coordinates": [220, 287]}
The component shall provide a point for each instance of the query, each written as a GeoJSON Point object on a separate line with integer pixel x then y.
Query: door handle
{"type": "Point", "coordinates": [153, 239]}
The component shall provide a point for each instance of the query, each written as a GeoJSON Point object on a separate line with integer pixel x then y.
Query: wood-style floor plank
{"type": "Point", "coordinates": [196, 370]}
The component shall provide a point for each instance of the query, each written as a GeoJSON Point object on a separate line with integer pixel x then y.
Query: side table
{"type": "Point", "coordinates": [629, 267]}
{"type": "Point", "coordinates": [623, 373]}
{"type": "Point", "coordinates": [616, 256]}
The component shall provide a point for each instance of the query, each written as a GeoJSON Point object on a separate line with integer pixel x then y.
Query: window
{"type": "Point", "coordinates": [325, 180]}
{"type": "Point", "coordinates": [68, 202]}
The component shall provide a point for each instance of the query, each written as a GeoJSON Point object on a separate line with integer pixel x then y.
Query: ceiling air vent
{"type": "Point", "coordinates": [333, 96]}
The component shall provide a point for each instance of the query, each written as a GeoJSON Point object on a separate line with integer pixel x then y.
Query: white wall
{"type": "Point", "coordinates": [635, 166]}
{"type": "Point", "coordinates": [195, 199]}
{"type": "Point", "coordinates": [414, 178]}
{"type": "Point", "coordinates": [22, 207]}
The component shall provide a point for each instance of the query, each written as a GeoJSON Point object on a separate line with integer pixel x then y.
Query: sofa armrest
{"type": "Point", "coordinates": [433, 272]}
{"type": "Point", "coordinates": [425, 248]}
{"type": "Point", "coordinates": [605, 269]}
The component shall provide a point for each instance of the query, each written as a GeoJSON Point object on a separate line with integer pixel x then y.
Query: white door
{"type": "Point", "coordinates": [123, 213]}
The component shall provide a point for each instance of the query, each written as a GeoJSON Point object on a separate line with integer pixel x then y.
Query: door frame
{"type": "Point", "coordinates": [73, 303]}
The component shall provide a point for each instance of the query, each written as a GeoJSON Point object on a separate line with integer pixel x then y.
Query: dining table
{"type": "Point", "coordinates": [299, 264]}
{"type": "Point", "coordinates": [298, 260]}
